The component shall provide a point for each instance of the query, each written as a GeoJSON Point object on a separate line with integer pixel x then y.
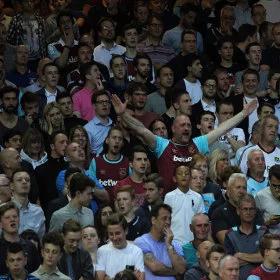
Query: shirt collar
{"type": "Point", "coordinates": [73, 209]}
{"type": "Point", "coordinates": [97, 121]}
{"type": "Point", "coordinates": [103, 45]}
{"type": "Point", "coordinates": [41, 271]}
{"type": "Point", "coordinates": [19, 206]}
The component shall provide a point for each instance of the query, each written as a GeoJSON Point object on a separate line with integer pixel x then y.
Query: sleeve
{"type": "Point", "coordinates": [201, 143]}
{"type": "Point", "coordinates": [166, 39]}
{"type": "Point", "coordinates": [76, 103]}
{"type": "Point", "coordinates": [168, 200]}
{"type": "Point", "coordinates": [161, 144]}
{"type": "Point", "coordinates": [53, 53]}
{"type": "Point", "coordinates": [94, 179]}
{"type": "Point", "coordinates": [87, 267]}
{"type": "Point", "coordinates": [199, 43]}
{"type": "Point", "coordinates": [42, 228]}
{"type": "Point", "coordinates": [139, 261]}
{"type": "Point", "coordinates": [200, 207]}
{"type": "Point", "coordinates": [243, 162]}
{"type": "Point", "coordinates": [54, 222]}
{"type": "Point", "coordinates": [60, 181]}
{"type": "Point", "coordinates": [92, 168]}
{"type": "Point", "coordinates": [139, 242]}
{"type": "Point", "coordinates": [241, 135]}
{"type": "Point", "coordinates": [100, 260]}
{"type": "Point", "coordinates": [218, 222]}
{"type": "Point", "coordinates": [228, 245]}
{"type": "Point", "coordinates": [253, 277]}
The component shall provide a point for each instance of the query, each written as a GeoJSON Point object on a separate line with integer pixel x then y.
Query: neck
{"type": "Point", "coordinates": [267, 145]}
{"type": "Point", "coordinates": [137, 178]}
{"type": "Point", "coordinates": [254, 66]}
{"type": "Point", "coordinates": [207, 100]}
{"type": "Point", "coordinates": [269, 265]}
{"type": "Point", "coordinates": [21, 68]}
{"type": "Point", "coordinates": [183, 189]}
{"type": "Point", "coordinates": [156, 202]}
{"type": "Point", "coordinates": [54, 154]}
{"type": "Point", "coordinates": [257, 176]}
{"type": "Point", "coordinates": [246, 227]}
{"type": "Point", "coordinates": [156, 234]}
{"type": "Point", "coordinates": [162, 90]}
{"type": "Point", "coordinates": [171, 112]}
{"type": "Point", "coordinates": [75, 203]}
{"type": "Point", "coordinates": [191, 78]}
{"type": "Point", "coordinates": [196, 243]}
{"type": "Point", "coordinates": [108, 44]}
{"type": "Point", "coordinates": [103, 119]}
{"type": "Point", "coordinates": [11, 237]}
{"type": "Point", "coordinates": [129, 216]}
{"type": "Point", "coordinates": [213, 276]}
{"type": "Point", "coordinates": [140, 79]}
{"type": "Point", "coordinates": [130, 52]}
{"type": "Point", "coordinates": [50, 88]}
{"type": "Point", "coordinates": [251, 95]}
{"type": "Point", "coordinates": [232, 202]}
{"type": "Point", "coordinates": [8, 117]}
{"type": "Point", "coordinates": [90, 85]}
{"type": "Point", "coordinates": [153, 40]}
{"type": "Point", "coordinates": [118, 82]}
{"type": "Point", "coordinates": [226, 63]}
{"type": "Point", "coordinates": [35, 156]}
{"type": "Point", "coordinates": [139, 112]}
{"type": "Point", "coordinates": [19, 276]}
{"type": "Point", "coordinates": [48, 268]}
{"type": "Point", "coordinates": [112, 156]}
{"type": "Point", "coordinates": [78, 164]}
{"type": "Point", "coordinates": [21, 199]}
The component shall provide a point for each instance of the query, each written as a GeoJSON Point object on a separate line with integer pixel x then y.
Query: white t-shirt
{"type": "Point", "coordinates": [194, 90]}
{"type": "Point", "coordinates": [112, 260]}
{"type": "Point", "coordinates": [271, 158]}
{"type": "Point", "coordinates": [253, 117]}
{"type": "Point", "coordinates": [184, 207]}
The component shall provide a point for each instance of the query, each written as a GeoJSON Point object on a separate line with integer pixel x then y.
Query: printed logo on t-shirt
{"type": "Point", "coordinates": [108, 183]}
{"type": "Point", "coordinates": [181, 159]}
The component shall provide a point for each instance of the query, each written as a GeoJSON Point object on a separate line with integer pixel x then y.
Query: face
{"type": "Point", "coordinates": [10, 102]}
{"type": "Point", "coordinates": [75, 153]}
{"type": "Point", "coordinates": [250, 84]}
{"type": "Point", "coordinates": [159, 128]}
{"type": "Point", "coordinates": [107, 31]}
{"type": "Point", "coordinates": [196, 69]}
{"type": "Point", "coordinates": [102, 106]}
{"type": "Point", "coordinates": [188, 19]}
{"type": "Point", "coordinates": [256, 162]}
{"type": "Point", "coordinates": [247, 212]}
{"type": "Point", "coordinates": [162, 221]}
{"type": "Point", "coordinates": [55, 117]}
{"type": "Point", "coordinates": [213, 262]}
{"type": "Point", "coordinates": [90, 238]}
{"type": "Point", "coordinates": [16, 262]}
{"type": "Point", "coordinates": [10, 221]}
{"type": "Point", "coordinates": [31, 109]}
{"type": "Point", "coordinates": [131, 38]}
{"type": "Point", "coordinates": [210, 89]}
{"type": "Point", "coordinates": [60, 144]}
{"type": "Point", "coordinates": [51, 254]}
{"type": "Point", "coordinates": [72, 241]}
{"type": "Point", "coordinates": [139, 99]}
{"type": "Point", "coordinates": [143, 68]}
{"type": "Point", "coordinates": [166, 77]}
{"type": "Point", "coordinates": [226, 51]}
{"type": "Point", "coordinates": [182, 129]}
{"type": "Point", "coordinates": [84, 54]}
{"type": "Point", "coordinates": [258, 15]}
{"type": "Point", "coordinates": [105, 213]}
{"type": "Point", "coordinates": [273, 81]}
{"type": "Point", "coordinates": [223, 81]}
{"type": "Point", "coordinates": [237, 190]}
{"type": "Point", "coordinates": [22, 55]}
{"type": "Point", "coordinates": [51, 76]}
{"type": "Point", "coordinates": [225, 113]}
{"type": "Point", "coordinates": [189, 43]}
{"type": "Point", "coordinates": [139, 163]}
{"type": "Point", "coordinates": [66, 106]}
{"type": "Point", "coordinates": [65, 24]}
{"type": "Point", "coordinates": [276, 34]}
{"type": "Point", "coordinates": [275, 187]}
{"type": "Point", "coordinates": [255, 55]}
{"type": "Point", "coordinates": [36, 146]}
{"type": "Point", "coordinates": [227, 19]}
{"type": "Point", "coordinates": [265, 111]}
{"type": "Point", "coordinates": [21, 183]}
{"type": "Point", "coordinates": [85, 197]}
{"type": "Point", "coordinates": [124, 202]}
{"type": "Point", "coordinates": [152, 193]}
{"type": "Point", "coordinates": [203, 166]}
{"type": "Point", "coordinates": [79, 137]}
{"type": "Point", "coordinates": [5, 190]}
{"type": "Point", "coordinates": [270, 129]}
{"type": "Point", "coordinates": [14, 160]}
{"type": "Point", "coordinates": [157, 6]}
{"type": "Point", "coordinates": [94, 75]}
{"type": "Point", "coordinates": [184, 105]}
{"type": "Point", "coordinates": [117, 236]}
{"type": "Point", "coordinates": [182, 176]}
{"type": "Point", "coordinates": [273, 254]}
{"type": "Point", "coordinates": [119, 68]}
{"type": "Point", "coordinates": [197, 182]}
{"type": "Point", "coordinates": [203, 248]}
{"type": "Point", "coordinates": [207, 123]}
{"type": "Point", "coordinates": [201, 227]}
{"type": "Point", "coordinates": [222, 164]}
{"type": "Point", "coordinates": [155, 28]}
{"type": "Point", "coordinates": [14, 142]}
{"type": "Point", "coordinates": [230, 270]}
{"type": "Point", "coordinates": [115, 141]}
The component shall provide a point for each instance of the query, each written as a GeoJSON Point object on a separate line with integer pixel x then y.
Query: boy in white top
{"type": "Point", "coordinates": [119, 254]}
{"type": "Point", "coordinates": [185, 203]}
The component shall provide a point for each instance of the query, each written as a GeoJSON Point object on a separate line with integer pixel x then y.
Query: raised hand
{"type": "Point", "coordinates": [168, 236]}
{"type": "Point", "coordinates": [250, 107]}
{"type": "Point", "coordinates": [119, 106]}
{"type": "Point", "coordinates": [99, 85]}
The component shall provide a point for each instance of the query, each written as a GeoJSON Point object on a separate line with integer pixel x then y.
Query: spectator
{"type": "Point", "coordinates": [228, 268]}
{"type": "Point", "coordinates": [13, 139]}
{"type": "Point", "coordinates": [5, 190]}
{"type": "Point", "coordinates": [30, 103]}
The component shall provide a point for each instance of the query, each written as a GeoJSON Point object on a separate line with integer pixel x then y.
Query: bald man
{"type": "Point", "coordinates": [229, 268]}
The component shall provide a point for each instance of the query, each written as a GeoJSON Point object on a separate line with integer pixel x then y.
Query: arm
{"type": "Point", "coordinates": [100, 275]}
{"type": "Point", "coordinates": [102, 195]}
{"type": "Point", "coordinates": [220, 235]}
{"type": "Point", "coordinates": [250, 258]}
{"type": "Point", "coordinates": [229, 124]}
{"type": "Point", "coordinates": [136, 126]}
{"type": "Point", "coordinates": [235, 144]}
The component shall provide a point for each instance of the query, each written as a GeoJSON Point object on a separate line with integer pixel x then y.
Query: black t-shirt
{"type": "Point", "coordinates": [271, 57]}
{"type": "Point", "coordinates": [137, 227]}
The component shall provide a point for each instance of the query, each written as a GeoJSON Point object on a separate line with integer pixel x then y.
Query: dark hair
{"type": "Point", "coordinates": [189, 59]}
{"type": "Point", "coordinates": [82, 44]}
{"type": "Point", "coordinates": [264, 27]}
{"type": "Point", "coordinates": [54, 134]}
{"type": "Point", "coordinates": [50, 64]}
{"type": "Point", "coordinates": [216, 248]}
{"type": "Point", "coordinates": [188, 7]}
{"type": "Point", "coordinates": [223, 102]}
{"type": "Point", "coordinates": [128, 27]}
{"type": "Point", "coordinates": [228, 171]}
{"type": "Point", "coordinates": [6, 207]}
{"type": "Point", "coordinates": [99, 23]}
{"type": "Point", "coordinates": [30, 235]}
{"type": "Point", "coordinates": [255, 6]}
{"type": "Point", "coordinates": [21, 169]}
{"type": "Point", "coordinates": [208, 77]}
{"type": "Point", "coordinates": [125, 275]}
{"type": "Point", "coordinates": [29, 97]}
{"type": "Point", "coordinates": [155, 210]}
{"type": "Point", "coordinates": [61, 95]}
{"type": "Point", "coordinates": [151, 126]}
{"type": "Point", "coordinates": [126, 188]}
{"type": "Point", "coordinates": [158, 72]}
{"type": "Point", "coordinates": [14, 248]}
{"type": "Point", "coordinates": [134, 86]}
{"type": "Point", "coordinates": [116, 219]}
{"type": "Point", "coordinates": [141, 56]}
{"type": "Point", "coordinates": [266, 242]}
{"type": "Point", "coordinates": [272, 72]}
{"type": "Point", "coordinates": [157, 17]}
{"type": "Point", "coordinates": [226, 39]}
{"type": "Point", "coordinates": [203, 113]}
{"type": "Point", "coordinates": [79, 182]}
{"type": "Point", "coordinates": [53, 238]}
{"type": "Point", "coordinates": [246, 198]}
{"type": "Point", "coordinates": [176, 94]}
{"type": "Point", "coordinates": [267, 104]}
{"type": "Point", "coordinates": [71, 170]}
{"type": "Point", "coordinates": [105, 145]}
{"type": "Point", "coordinates": [99, 93]}
{"type": "Point", "coordinates": [245, 30]}
{"type": "Point", "coordinates": [8, 89]}
{"type": "Point", "coordinates": [114, 56]}
{"type": "Point", "coordinates": [156, 179]}
{"type": "Point", "coordinates": [29, 136]}
{"type": "Point", "coordinates": [189, 32]}
{"type": "Point", "coordinates": [253, 44]}
{"type": "Point", "coordinates": [137, 149]}
{"type": "Point", "coordinates": [250, 72]}
{"type": "Point", "coordinates": [71, 226]}
{"type": "Point", "coordinates": [64, 13]}
{"type": "Point", "coordinates": [85, 69]}
{"type": "Point", "coordinates": [274, 171]}
{"type": "Point", "coordinates": [10, 134]}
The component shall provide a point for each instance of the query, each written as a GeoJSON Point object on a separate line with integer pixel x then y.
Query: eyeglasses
{"type": "Point", "coordinates": [275, 249]}
{"type": "Point", "coordinates": [273, 185]}
{"type": "Point", "coordinates": [248, 209]}
{"type": "Point", "coordinates": [103, 102]}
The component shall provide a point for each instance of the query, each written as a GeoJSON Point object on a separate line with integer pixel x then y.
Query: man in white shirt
{"type": "Point", "coordinates": [119, 254]}
{"type": "Point", "coordinates": [185, 203]}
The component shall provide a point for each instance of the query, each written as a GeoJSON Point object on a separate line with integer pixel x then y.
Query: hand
{"type": "Point", "coordinates": [69, 38]}
{"type": "Point", "coordinates": [274, 220]}
{"type": "Point", "coordinates": [168, 236]}
{"type": "Point", "coordinates": [137, 274]}
{"type": "Point", "coordinates": [118, 105]}
{"type": "Point", "coordinates": [99, 85]}
{"type": "Point", "coordinates": [239, 257]}
{"type": "Point", "coordinates": [250, 107]}
{"type": "Point", "coordinates": [29, 119]}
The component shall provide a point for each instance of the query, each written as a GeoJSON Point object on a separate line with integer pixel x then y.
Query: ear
{"type": "Point", "coordinates": [106, 140]}
{"type": "Point", "coordinates": [174, 179]}
{"type": "Point", "coordinates": [198, 126]}
{"type": "Point", "coordinates": [191, 227]}
{"type": "Point", "coordinates": [87, 76]}
{"type": "Point", "coordinates": [52, 146]}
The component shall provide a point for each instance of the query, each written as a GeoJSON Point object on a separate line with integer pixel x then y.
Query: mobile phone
{"type": "Point", "coordinates": [129, 267]}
